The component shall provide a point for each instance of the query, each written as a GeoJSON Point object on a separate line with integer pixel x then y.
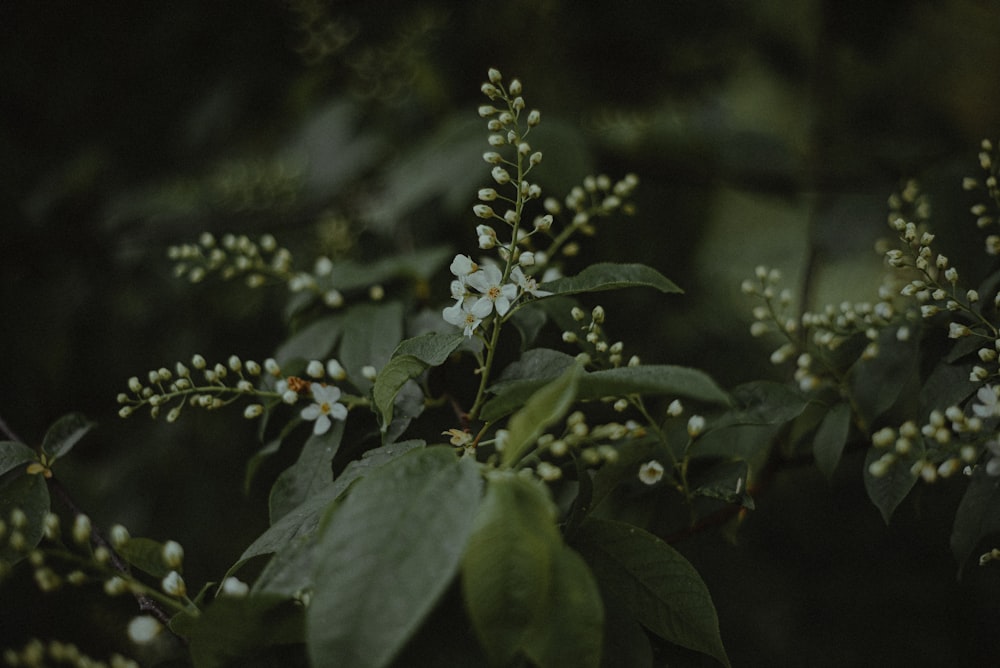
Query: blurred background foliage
{"type": "Point", "coordinates": [768, 132]}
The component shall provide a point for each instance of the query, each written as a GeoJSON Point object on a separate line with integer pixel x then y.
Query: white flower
{"type": "Point", "coordinates": [487, 281]}
{"type": "Point", "coordinates": [325, 407]}
{"type": "Point", "coordinates": [173, 585]}
{"type": "Point", "coordinates": [233, 586]}
{"type": "Point", "coordinates": [462, 266]}
{"type": "Point", "coordinates": [651, 472]}
{"type": "Point", "coordinates": [143, 629]}
{"type": "Point", "coordinates": [696, 424]}
{"type": "Point", "coordinates": [527, 283]}
{"type": "Point", "coordinates": [467, 314]}
{"type": "Point", "coordinates": [989, 403]}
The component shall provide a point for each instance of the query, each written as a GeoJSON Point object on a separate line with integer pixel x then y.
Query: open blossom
{"type": "Point", "coordinates": [497, 295]}
{"type": "Point", "coordinates": [651, 472]}
{"type": "Point", "coordinates": [527, 283]}
{"type": "Point", "coordinates": [467, 313]}
{"type": "Point", "coordinates": [326, 406]}
{"type": "Point", "coordinates": [989, 402]}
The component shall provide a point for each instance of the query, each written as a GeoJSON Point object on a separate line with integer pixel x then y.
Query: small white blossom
{"type": "Point", "coordinates": [143, 629]}
{"type": "Point", "coordinates": [989, 403]}
{"type": "Point", "coordinates": [173, 585]}
{"type": "Point", "coordinates": [173, 554]}
{"type": "Point", "coordinates": [651, 472]}
{"type": "Point", "coordinates": [696, 424]}
{"type": "Point", "coordinates": [233, 586]}
{"type": "Point", "coordinates": [325, 407]}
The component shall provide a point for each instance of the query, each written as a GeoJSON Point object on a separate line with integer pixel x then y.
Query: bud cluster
{"type": "Point", "coordinates": [260, 262]}
{"type": "Point", "coordinates": [592, 445]}
{"type": "Point", "coordinates": [57, 653]}
{"type": "Point", "coordinates": [592, 340]}
{"type": "Point", "coordinates": [220, 384]}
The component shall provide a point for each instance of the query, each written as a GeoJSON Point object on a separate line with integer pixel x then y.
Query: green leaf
{"type": "Point", "coordinates": [233, 631]}
{"type": "Point", "coordinates": [145, 554]}
{"type": "Point", "coordinates": [761, 403]}
{"type": "Point", "coordinates": [611, 276]}
{"type": "Point", "coordinates": [726, 481]}
{"type": "Point", "coordinates": [507, 567]}
{"type": "Point", "coordinates": [545, 407]}
{"type": "Point", "coordinates": [30, 494]}
{"type": "Point", "coordinates": [13, 455]}
{"type": "Point", "coordinates": [311, 472]}
{"type": "Point", "coordinates": [570, 630]}
{"type": "Point", "coordinates": [305, 518]}
{"type": "Point", "coordinates": [659, 587]}
{"type": "Point", "coordinates": [888, 491]}
{"type": "Point", "coordinates": [371, 333]}
{"type": "Point", "coordinates": [654, 379]}
{"type": "Point", "coordinates": [409, 360]}
{"type": "Point", "coordinates": [432, 348]}
{"type": "Point", "coordinates": [64, 434]}
{"type": "Point", "coordinates": [314, 341]}
{"type": "Point", "coordinates": [877, 383]}
{"type": "Point", "coordinates": [535, 365]}
{"type": "Point", "coordinates": [978, 515]}
{"type": "Point", "coordinates": [389, 551]}
{"type": "Point", "coordinates": [831, 437]}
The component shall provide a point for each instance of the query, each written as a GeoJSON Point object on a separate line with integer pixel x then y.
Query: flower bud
{"type": "Point", "coordinates": [173, 554]}
{"type": "Point", "coordinates": [81, 529]}
{"type": "Point", "coordinates": [173, 585]}
{"type": "Point", "coordinates": [534, 118]}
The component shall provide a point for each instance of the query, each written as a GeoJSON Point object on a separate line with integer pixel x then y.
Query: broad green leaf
{"type": "Point", "coordinates": [145, 554]}
{"type": "Point", "coordinates": [240, 630]}
{"type": "Point", "coordinates": [761, 403]}
{"type": "Point", "coordinates": [389, 551]}
{"type": "Point", "coordinates": [507, 567]}
{"type": "Point", "coordinates": [631, 454]}
{"type": "Point", "coordinates": [315, 341]}
{"type": "Point", "coordinates": [876, 383]}
{"type": "Point", "coordinates": [726, 481]}
{"type": "Point", "coordinates": [611, 276]}
{"type": "Point", "coordinates": [421, 264]}
{"type": "Point", "coordinates": [432, 348]}
{"type": "Point", "coordinates": [537, 364]}
{"type": "Point", "coordinates": [290, 570]}
{"type": "Point", "coordinates": [570, 631]}
{"type": "Point", "coordinates": [304, 519]}
{"type": "Point", "coordinates": [409, 360]}
{"type": "Point", "coordinates": [888, 491]}
{"type": "Point", "coordinates": [947, 385]}
{"type": "Point", "coordinates": [13, 455]}
{"type": "Point", "coordinates": [30, 494]}
{"type": "Point", "coordinates": [653, 379]}
{"type": "Point", "coordinates": [371, 333]}
{"type": "Point", "coordinates": [545, 407]}
{"type": "Point", "coordinates": [528, 322]}
{"type": "Point", "coordinates": [978, 515]}
{"type": "Point", "coordinates": [311, 473]}
{"type": "Point", "coordinates": [626, 644]}
{"type": "Point", "coordinates": [660, 588]}
{"type": "Point", "coordinates": [828, 444]}
{"type": "Point", "coordinates": [64, 434]}
{"type": "Point", "coordinates": [658, 379]}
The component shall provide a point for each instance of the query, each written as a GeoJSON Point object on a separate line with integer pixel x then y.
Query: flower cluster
{"type": "Point", "coordinates": [223, 384]}
{"type": "Point", "coordinates": [55, 652]}
{"type": "Point", "coordinates": [260, 262]}
{"type": "Point", "coordinates": [811, 337]}
{"type": "Point", "coordinates": [951, 440]}
{"type": "Point", "coordinates": [594, 343]}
